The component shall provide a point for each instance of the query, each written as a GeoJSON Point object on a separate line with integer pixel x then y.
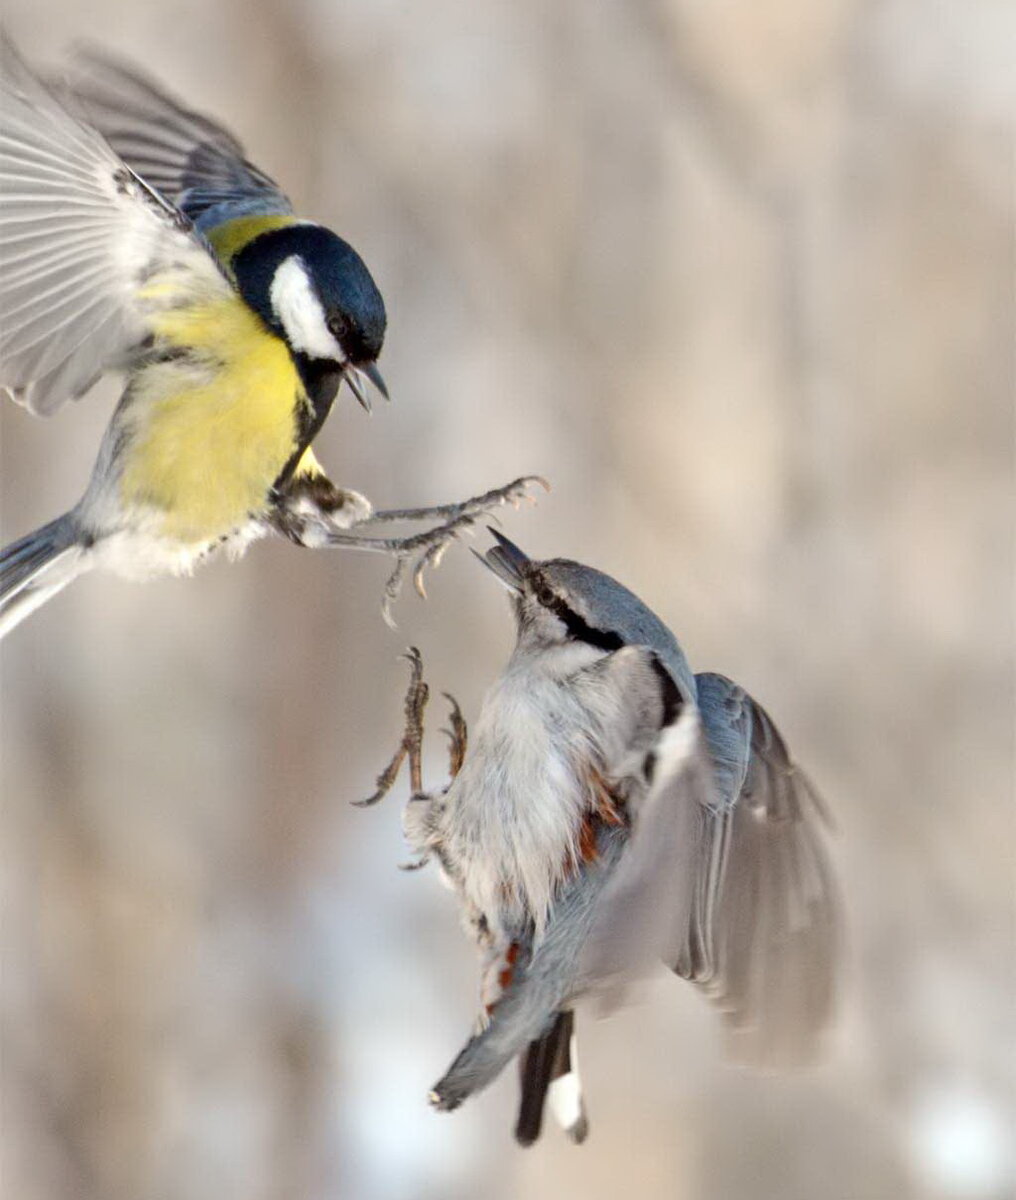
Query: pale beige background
{"type": "Point", "coordinates": [739, 278]}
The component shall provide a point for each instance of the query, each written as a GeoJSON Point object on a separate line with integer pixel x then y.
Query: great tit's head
{"type": "Point", "coordinates": [315, 291]}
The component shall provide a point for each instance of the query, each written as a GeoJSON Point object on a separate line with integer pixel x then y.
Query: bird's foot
{"type": "Point", "coordinates": [311, 508]}
{"type": "Point", "coordinates": [412, 738]}
{"type": "Point", "coordinates": [457, 735]}
{"type": "Point", "coordinates": [419, 551]}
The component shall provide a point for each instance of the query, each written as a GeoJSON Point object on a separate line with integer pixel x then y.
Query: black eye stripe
{"type": "Point", "coordinates": [578, 629]}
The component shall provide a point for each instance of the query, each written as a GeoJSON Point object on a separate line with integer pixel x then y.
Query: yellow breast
{"type": "Point", "coordinates": [210, 430]}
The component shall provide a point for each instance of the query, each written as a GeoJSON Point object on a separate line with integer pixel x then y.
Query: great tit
{"type": "Point", "coordinates": [614, 810]}
{"type": "Point", "coordinates": [135, 235]}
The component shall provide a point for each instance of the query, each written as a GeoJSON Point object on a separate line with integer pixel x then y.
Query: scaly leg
{"type": "Point", "coordinates": [315, 528]}
{"type": "Point", "coordinates": [412, 737]}
{"type": "Point", "coordinates": [458, 737]}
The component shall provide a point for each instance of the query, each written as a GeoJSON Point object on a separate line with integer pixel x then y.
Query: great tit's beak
{"type": "Point", "coordinates": [506, 560]}
{"type": "Point", "coordinates": [374, 375]}
{"type": "Point", "coordinates": [357, 375]}
{"type": "Point", "coordinates": [352, 377]}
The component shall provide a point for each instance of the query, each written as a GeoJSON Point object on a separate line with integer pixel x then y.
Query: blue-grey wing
{"type": "Point", "coordinates": [191, 160]}
{"type": "Point", "coordinates": [659, 757]}
{"type": "Point", "coordinates": [765, 930]}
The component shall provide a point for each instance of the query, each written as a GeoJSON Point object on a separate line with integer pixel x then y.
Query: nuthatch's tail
{"type": "Point", "coordinates": [36, 567]}
{"type": "Point", "coordinates": [549, 1072]}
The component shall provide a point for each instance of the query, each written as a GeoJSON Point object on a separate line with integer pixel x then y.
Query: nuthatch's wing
{"type": "Point", "coordinates": [80, 235]}
{"type": "Point", "coordinates": [646, 900]}
{"type": "Point", "coordinates": [765, 933]}
{"type": "Point", "coordinates": [195, 163]}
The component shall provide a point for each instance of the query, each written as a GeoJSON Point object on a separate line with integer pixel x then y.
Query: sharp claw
{"type": "Point", "coordinates": [421, 591]}
{"type": "Point", "coordinates": [435, 542]}
{"type": "Point", "coordinates": [393, 585]}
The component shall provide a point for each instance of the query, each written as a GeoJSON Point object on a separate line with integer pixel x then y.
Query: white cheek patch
{"type": "Point", "coordinates": [299, 312]}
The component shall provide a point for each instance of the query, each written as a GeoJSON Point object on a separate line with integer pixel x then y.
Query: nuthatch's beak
{"type": "Point", "coordinates": [506, 560]}
{"type": "Point", "coordinates": [357, 374]}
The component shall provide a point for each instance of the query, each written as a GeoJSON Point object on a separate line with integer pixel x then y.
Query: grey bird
{"type": "Point", "coordinates": [613, 810]}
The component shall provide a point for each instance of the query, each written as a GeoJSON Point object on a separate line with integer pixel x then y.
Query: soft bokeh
{"type": "Point", "coordinates": [738, 277]}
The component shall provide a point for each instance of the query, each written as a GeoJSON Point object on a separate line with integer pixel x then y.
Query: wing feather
{"type": "Point", "coordinates": [765, 934]}
{"type": "Point", "coordinates": [644, 908]}
{"type": "Point", "coordinates": [79, 234]}
{"type": "Point", "coordinates": [193, 161]}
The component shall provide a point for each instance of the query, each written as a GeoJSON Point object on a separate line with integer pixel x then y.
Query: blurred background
{"type": "Point", "coordinates": [738, 278]}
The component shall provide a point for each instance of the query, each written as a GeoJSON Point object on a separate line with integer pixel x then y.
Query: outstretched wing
{"type": "Point", "coordinates": [80, 236]}
{"type": "Point", "coordinates": [764, 936]}
{"type": "Point", "coordinates": [191, 160]}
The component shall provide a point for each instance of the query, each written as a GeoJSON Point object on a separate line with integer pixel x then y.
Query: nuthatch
{"type": "Point", "coordinates": [614, 810]}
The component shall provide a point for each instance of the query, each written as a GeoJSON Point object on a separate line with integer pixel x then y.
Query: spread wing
{"type": "Point", "coordinates": [80, 234]}
{"type": "Point", "coordinates": [189, 159]}
{"type": "Point", "coordinates": [764, 935]}
{"type": "Point", "coordinates": [723, 874]}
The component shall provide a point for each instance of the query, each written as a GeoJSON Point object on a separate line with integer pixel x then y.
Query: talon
{"type": "Point", "coordinates": [433, 543]}
{"type": "Point", "coordinates": [458, 736]}
{"type": "Point", "coordinates": [415, 704]}
{"type": "Point", "coordinates": [421, 591]}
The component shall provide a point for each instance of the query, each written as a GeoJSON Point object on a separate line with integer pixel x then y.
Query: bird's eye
{"type": "Point", "coordinates": [545, 595]}
{"type": "Point", "coordinates": [338, 326]}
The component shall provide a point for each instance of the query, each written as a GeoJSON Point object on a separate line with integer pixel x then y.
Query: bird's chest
{"type": "Point", "coordinates": [211, 427]}
{"type": "Point", "coordinates": [514, 814]}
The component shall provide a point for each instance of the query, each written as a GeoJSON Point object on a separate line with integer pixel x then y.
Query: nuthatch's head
{"type": "Point", "coordinates": [559, 602]}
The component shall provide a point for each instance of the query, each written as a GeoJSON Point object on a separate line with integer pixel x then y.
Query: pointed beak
{"type": "Point", "coordinates": [374, 375]}
{"type": "Point", "coordinates": [353, 377]}
{"type": "Point", "coordinates": [358, 375]}
{"type": "Point", "coordinates": [506, 560]}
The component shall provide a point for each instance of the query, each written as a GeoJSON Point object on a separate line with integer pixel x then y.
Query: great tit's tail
{"type": "Point", "coordinates": [549, 1073]}
{"type": "Point", "coordinates": [36, 567]}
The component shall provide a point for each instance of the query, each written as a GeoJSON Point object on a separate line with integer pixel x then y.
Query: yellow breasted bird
{"type": "Point", "coordinates": [135, 236]}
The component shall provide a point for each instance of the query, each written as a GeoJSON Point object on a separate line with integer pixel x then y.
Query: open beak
{"type": "Point", "coordinates": [506, 560]}
{"type": "Point", "coordinates": [358, 376]}
{"type": "Point", "coordinates": [353, 377]}
{"type": "Point", "coordinates": [374, 375]}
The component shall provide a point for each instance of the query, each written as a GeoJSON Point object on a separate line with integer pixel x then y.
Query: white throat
{"type": "Point", "coordinates": [299, 312]}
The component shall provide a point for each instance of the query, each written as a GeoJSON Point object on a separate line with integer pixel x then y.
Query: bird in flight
{"type": "Point", "coordinates": [135, 236]}
{"type": "Point", "coordinates": [611, 811]}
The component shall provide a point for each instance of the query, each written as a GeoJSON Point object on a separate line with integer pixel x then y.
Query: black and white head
{"type": "Point", "coordinates": [315, 291]}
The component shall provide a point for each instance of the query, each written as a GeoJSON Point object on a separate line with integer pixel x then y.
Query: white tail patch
{"type": "Point", "coordinates": [564, 1096]}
